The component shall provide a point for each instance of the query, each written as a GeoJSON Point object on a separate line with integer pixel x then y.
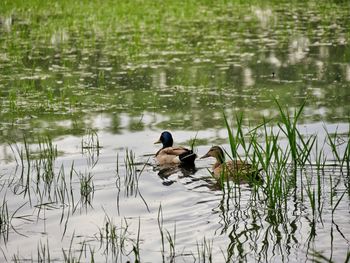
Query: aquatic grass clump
{"type": "Point", "coordinates": [23, 160]}
{"type": "Point", "coordinates": [6, 218]}
{"type": "Point", "coordinates": [289, 128]}
{"type": "Point", "coordinates": [128, 178]}
{"type": "Point", "coordinates": [130, 175]}
{"type": "Point", "coordinates": [70, 255]}
{"type": "Point", "coordinates": [340, 143]}
{"type": "Point", "coordinates": [63, 192]}
{"type": "Point", "coordinates": [4, 221]}
{"type": "Point", "coordinates": [166, 235]}
{"type": "Point", "coordinates": [205, 251]}
{"type": "Point", "coordinates": [43, 184]}
{"type": "Point", "coordinates": [87, 188]}
{"type": "Point", "coordinates": [300, 180]}
{"type": "Point", "coordinates": [267, 157]}
{"type": "Point", "coordinates": [37, 168]}
{"type": "Point", "coordinates": [45, 163]}
{"type": "Point", "coordinates": [90, 141]}
{"type": "Point", "coordinates": [285, 165]}
{"type": "Point", "coordinates": [114, 239]}
{"type": "Point", "coordinates": [346, 156]}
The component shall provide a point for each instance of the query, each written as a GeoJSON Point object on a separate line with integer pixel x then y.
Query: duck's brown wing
{"type": "Point", "coordinates": [173, 151]}
{"type": "Point", "coordinates": [176, 155]}
{"type": "Point", "coordinates": [240, 165]}
{"type": "Point", "coordinates": [244, 171]}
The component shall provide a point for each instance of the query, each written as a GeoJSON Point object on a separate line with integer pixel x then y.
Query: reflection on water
{"type": "Point", "coordinates": [274, 55]}
{"type": "Point", "coordinates": [101, 93]}
{"type": "Point", "coordinates": [126, 186]}
{"type": "Point", "coordinates": [165, 172]}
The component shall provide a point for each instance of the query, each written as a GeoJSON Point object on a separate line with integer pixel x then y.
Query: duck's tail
{"type": "Point", "coordinates": [188, 157]}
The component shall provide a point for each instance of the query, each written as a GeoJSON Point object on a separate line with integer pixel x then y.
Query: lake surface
{"type": "Point", "coordinates": [86, 90]}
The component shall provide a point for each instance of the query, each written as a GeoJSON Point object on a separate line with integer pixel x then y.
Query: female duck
{"type": "Point", "coordinates": [239, 171]}
{"type": "Point", "coordinates": [173, 155]}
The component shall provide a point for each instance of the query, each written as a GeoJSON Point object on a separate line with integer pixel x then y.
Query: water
{"type": "Point", "coordinates": [129, 84]}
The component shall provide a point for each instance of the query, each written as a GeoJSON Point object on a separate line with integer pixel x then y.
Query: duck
{"type": "Point", "coordinates": [171, 155]}
{"type": "Point", "coordinates": [237, 170]}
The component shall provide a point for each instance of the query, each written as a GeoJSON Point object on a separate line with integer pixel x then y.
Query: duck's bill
{"type": "Point", "coordinates": [157, 142]}
{"type": "Point", "coordinates": [204, 156]}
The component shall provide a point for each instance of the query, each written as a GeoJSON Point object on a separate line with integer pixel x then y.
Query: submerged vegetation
{"type": "Point", "coordinates": [63, 61]}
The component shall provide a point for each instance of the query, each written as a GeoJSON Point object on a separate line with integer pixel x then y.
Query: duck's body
{"type": "Point", "coordinates": [173, 155]}
{"type": "Point", "coordinates": [232, 168]}
{"type": "Point", "coordinates": [238, 171]}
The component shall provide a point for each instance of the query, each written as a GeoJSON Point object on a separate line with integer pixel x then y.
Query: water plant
{"type": "Point", "coordinates": [166, 236]}
{"type": "Point", "coordinates": [205, 251]}
{"type": "Point", "coordinates": [65, 64]}
{"type": "Point", "coordinates": [289, 128]}
{"type": "Point", "coordinates": [115, 239]}
{"type": "Point", "coordinates": [69, 254]}
{"type": "Point", "coordinates": [160, 227]}
{"type": "Point", "coordinates": [90, 141]}
{"type": "Point", "coordinates": [44, 163]}
{"type": "Point", "coordinates": [306, 153]}
{"type": "Point", "coordinates": [136, 245]}
{"type": "Point", "coordinates": [7, 217]}
{"type": "Point", "coordinates": [43, 250]}
{"type": "Point", "coordinates": [4, 221]}
{"type": "Point", "coordinates": [87, 188]}
{"type": "Point", "coordinates": [130, 177]}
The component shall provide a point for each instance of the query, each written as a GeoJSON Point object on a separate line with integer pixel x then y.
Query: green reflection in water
{"type": "Point", "coordinates": [63, 61]}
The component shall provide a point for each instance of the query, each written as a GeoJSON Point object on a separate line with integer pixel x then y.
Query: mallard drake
{"type": "Point", "coordinates": [239, 171]}
{"type": "Point", "coordinates": [173, 155]}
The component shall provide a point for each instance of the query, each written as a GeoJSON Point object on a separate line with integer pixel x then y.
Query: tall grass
{"type": "Point", "coordinates": [284, 166]}
{"type": "Point", "coordinates": [166, 236]}
{"type": "Point", "coordinates": [4, 221]}
{"type": "Point", "coordinates": [205, 251]}
{"type": "Point", "coordinates": [116, 241]}
{"type": "Point", "coordinates": [45, 180]}
{"type": "Point", "coordinates": [6, 218]}
{"type": "Point", "coordinates": [128, 179]}
{"type": "Point", "coordinates": [43, 252]}
{"type": "Point", "coordinates": [131, 174]}
{"type": "Point", "coordinates": [289, 128]}
{"type": "Point", "coordinates": [268, 155]}
{"type": "Point", "coordinates": [90, 141]}
{"type": "Point", "coordinates": [41, 161]}
{"type": "Point", "coordinates": [87, 188]}
{"type": "Point", "coordinates": [44, 164]}
{"type": "Point", "coordinates": [160, 227]}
